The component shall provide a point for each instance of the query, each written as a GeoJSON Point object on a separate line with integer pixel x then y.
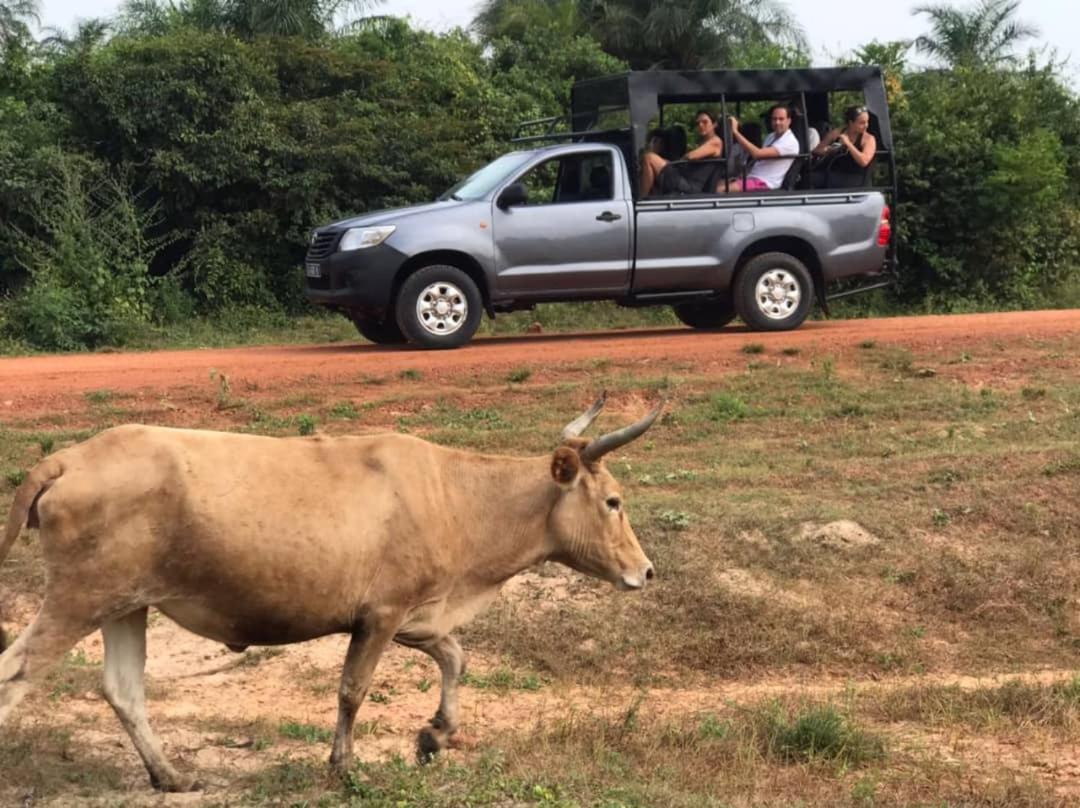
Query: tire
{"type": "Point", "coordinates": [385, 333]}
{"type": "Point", "coordinates": [774, 292]}
{"type": "Point", "coordinates": [705, 315]}
{"type": "Point", "coordinates": [438, 306]}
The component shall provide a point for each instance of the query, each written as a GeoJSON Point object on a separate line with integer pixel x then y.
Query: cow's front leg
{"type": "Point", "coordinates": [451, 660]}
{"type": "Point", "coordinates": [365, 649]}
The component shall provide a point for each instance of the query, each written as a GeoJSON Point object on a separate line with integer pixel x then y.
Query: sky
{"type": "Point", "coordinates": [834, 27]}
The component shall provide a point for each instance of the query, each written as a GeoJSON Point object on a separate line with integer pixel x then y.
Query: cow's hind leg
{"type": "Point", "coordinates": [365, 649]}
{"type": "Point", "coordinates": [447, 653]}
{"type": "Point", "coordinates": [34, 652]}
{"type": "Point", "coordinates": [125, 662]}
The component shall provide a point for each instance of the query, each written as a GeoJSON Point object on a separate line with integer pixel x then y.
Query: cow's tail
{"type": "Point", "coordinates": [36, 483]}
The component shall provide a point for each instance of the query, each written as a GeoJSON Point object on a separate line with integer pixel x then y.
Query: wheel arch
{"type": "Point", "coordinates": [455, 258]}
{"type": "Point", "coordinates": [794, 246]}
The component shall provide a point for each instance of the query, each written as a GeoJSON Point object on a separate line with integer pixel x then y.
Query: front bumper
{"type": "Point", "coordinates": [358, 280]}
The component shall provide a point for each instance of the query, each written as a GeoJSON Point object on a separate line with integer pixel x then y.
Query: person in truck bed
{"type": "Point", "coordinates": [653, 165]}
{"type": "Point", "coordinates": [767, 172]}
{"type": "Point", "coordinates": [846, 153]}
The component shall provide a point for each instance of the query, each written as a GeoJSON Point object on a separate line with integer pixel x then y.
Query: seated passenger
{"type": "Point", "coordinates": [653, 164]}
{"type": "Point", "coordinates": [658, 142]}
{"type": "Point", "coordinates": [768, 172]}
{"type": "Point", "coordinates": [846, 153]}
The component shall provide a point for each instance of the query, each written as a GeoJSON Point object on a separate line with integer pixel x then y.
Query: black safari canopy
{"type": "Point", "coordinates": [644, 92]}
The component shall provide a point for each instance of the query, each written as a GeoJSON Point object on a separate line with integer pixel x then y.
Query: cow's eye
{"type": "Point", "coordinates": [614, 503]}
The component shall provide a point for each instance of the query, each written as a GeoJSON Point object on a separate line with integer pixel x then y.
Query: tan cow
{"type": "Point", "coordinates": [253, 540]}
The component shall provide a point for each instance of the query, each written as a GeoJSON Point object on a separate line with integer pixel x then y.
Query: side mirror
{"type": "Point", "coordinates": [513, 194]}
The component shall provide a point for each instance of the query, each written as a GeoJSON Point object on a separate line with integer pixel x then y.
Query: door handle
{"type": "Point", "coordinates": [608, 216]}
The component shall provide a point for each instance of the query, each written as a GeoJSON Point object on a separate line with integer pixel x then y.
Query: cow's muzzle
{"type": "Point", "coordinates": [637, 580]}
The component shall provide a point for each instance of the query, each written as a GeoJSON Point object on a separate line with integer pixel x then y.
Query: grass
{"type": "Point", "coordinates": [502, 679]}
{"type": "Point", "coordinates": [305, 732]}
{"type": "Point", "coordinates": [970, 492]}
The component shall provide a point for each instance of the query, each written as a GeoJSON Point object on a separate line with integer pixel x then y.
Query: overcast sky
{"type": "Point", "coordinates": [834, 27]}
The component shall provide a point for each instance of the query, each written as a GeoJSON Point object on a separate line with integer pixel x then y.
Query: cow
{"type": "Point", "coordinates": [254, 540]}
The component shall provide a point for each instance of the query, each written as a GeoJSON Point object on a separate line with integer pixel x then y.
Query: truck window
{"type": "Point", "coordinates": [571, 178]}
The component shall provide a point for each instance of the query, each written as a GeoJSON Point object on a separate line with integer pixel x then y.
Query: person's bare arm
{"type": "Point", "coordinates": [713, 147]}
{"type": "Point", "coordinates": [756, 152]}
{"type": "Point", "coordinates": [823, 147]}
{"type": "Point", "coordinates": [864, 156]}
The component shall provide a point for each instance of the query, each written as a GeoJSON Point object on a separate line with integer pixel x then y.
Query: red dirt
{"type": "Point", "coordinates": [44, 384]}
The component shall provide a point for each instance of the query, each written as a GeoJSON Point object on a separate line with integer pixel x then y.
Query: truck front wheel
{"type": "Point", "coordinates": [774, 292]}
{"type": "Point", "coordinates": [381, 333]}
{"type": "Point", "coordinates": [439, 306]}
{"type": "Point", "coordinates": [705, 315]}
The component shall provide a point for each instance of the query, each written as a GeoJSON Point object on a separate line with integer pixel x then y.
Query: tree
{"type": "Point", "coordinates": [246, 19]}
{"type": "Point", "coordinates": [15, 19]}
{"type": "Point", "coordinates": [88, 35]}
{"type": "Point", "coordinates": [988, 167]}
{"type": "Point", "coordinates": [892, 58]}
{"type": "Point", "coordinates": [512, 19]}
{"type": "Point", "coordinates": [689, 34]}
{"type": "Point", "coordinates": [984, 35]}
{"type": "Point", "coordinates": [670, 34]}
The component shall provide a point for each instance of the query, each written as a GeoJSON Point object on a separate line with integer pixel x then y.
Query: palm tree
{"type": "Point", "coordinates": [15, 19]}
{"type": "Point", "coordinates": [981, 36]}
{"type": "Point", "coordinates": [512, 18]}
{"type": "Point", "coordinates": [674, 34]}
{"type": "Point", "coordinates": [244, 18]}
{"type": "Point", "coordinates": [690, 34]}
{"type": "Point", "coordinates": [87, 36]}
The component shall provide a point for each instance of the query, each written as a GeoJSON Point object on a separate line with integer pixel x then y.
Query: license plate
{"type": "Point", "coordinates": [313, 270]}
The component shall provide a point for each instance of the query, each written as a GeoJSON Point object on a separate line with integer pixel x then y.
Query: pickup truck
{"type": "Point", "coordinates": [561, 223]}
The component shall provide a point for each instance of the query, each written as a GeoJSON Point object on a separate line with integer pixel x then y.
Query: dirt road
{"type": "Point", "coordinates": [36, 384]}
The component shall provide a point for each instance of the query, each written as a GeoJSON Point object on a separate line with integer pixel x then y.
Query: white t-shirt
{"type": "Point", "coordinates": [771, 171]}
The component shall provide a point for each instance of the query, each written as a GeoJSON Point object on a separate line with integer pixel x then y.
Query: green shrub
{"type": "Point", "coordinates": [87, 259]}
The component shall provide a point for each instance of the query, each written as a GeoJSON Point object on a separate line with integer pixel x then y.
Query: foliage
{"type": "Point", "coordinates": [981, 36]}
{"type": "Point", "coordinates": [989, 163]}
{"type": "Point", "coordinates": [247, 19]}
{"type": "Point", "coordinates": [88, 261]}
{"type": "Point", "coordinates": [892, 57]}
{"type": "Point", "coordinates": [670, 34]}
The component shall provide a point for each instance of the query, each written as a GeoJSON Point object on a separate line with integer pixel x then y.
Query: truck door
{"type": "Point", "coordinates": [571, 235]}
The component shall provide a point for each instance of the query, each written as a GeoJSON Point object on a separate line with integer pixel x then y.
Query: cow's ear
{"type": "Point", "coordinates": [565, 466]}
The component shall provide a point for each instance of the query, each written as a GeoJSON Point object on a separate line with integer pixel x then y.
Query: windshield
{"type": "Point", "coordinates": [483, 181]}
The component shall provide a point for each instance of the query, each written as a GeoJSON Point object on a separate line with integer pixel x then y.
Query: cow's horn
{"type": "Point", "coordinates": [620, 437]}
{"type": "Point", "coordinates": [581, 423]}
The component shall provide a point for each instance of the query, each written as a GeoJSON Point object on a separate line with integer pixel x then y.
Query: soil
{"type": "Point", "coordinates": [201, 692]}
{"type": "Point", "coordinates": [55, 384]}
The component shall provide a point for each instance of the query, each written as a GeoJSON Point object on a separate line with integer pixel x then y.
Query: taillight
{"type": "Point", "coordinates": [884, 232]}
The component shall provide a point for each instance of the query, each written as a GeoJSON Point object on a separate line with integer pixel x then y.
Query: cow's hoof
{"type": "Point", "coordinates": [175, 783]}
{"type": "Point", "coordinates": [340, 764]}
{"type": "Point", "coordinates": [428, 745]}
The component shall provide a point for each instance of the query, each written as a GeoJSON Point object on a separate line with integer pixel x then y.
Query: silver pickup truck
{"type": "Point", "coordinates": [561, 223]}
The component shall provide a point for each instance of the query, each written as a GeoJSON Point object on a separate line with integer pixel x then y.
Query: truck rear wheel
{"type": "Point", "coordinates": [705, 315]}
{"type": "Point", "coordinates": [774, 292]}
{"type": "Point", "coordinates": [386, 332]}
{"type": "Point", "coordinates": [439, 306]}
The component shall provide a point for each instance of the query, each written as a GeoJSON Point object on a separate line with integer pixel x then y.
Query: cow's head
{"type": "Point", "coordinates": [588, 525]}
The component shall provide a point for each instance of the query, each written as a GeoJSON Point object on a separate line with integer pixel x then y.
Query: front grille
{"type": "Point", "coordinates": [322, 245]}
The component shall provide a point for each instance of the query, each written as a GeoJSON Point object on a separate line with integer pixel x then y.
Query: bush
{"type": "Point", "coordinates": [989, 164]}
{"type": "Point", "coordinates": [87, 258]}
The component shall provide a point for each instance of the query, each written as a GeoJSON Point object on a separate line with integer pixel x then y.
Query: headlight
{"type": "Point", "coordinates": [359, 238]}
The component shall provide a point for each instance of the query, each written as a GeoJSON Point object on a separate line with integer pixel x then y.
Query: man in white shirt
{"type": "Point", "coordinates": [768, 172]}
